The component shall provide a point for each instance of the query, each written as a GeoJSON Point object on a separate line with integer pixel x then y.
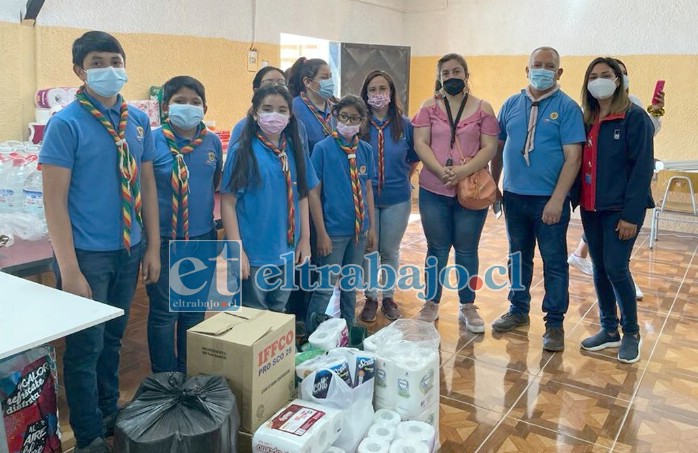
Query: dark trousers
{"type": "Point", "coordinates": [525, 228]}
{"type": "Point", "coordinates": [91, 359]}
{"type": "Point", "coordinates": [612, 279]}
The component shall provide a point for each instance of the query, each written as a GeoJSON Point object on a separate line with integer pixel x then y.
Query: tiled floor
{"type": "Point", "coordinates": [503, 393]}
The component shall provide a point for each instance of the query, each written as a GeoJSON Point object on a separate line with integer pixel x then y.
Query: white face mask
{"type": "Point", "coordinates": [602, 88]}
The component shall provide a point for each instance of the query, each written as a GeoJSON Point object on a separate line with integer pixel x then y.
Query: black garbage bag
{"type": "Point", "coordinates": [172, 413]}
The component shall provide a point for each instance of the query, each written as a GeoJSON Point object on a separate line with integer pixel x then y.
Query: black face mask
{"type": "Point", "coordinates": [454, 86]}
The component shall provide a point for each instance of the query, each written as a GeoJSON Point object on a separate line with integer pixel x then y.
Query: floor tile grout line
{"type": "Point", "coordinates": [649, 359]}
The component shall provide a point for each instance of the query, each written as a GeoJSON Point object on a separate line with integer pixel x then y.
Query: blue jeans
{"type": "Point", "coordinates": [391, 223]}
{"type": "Point", "coordinates": [345, 251]}
{"type": "Point", "coordinates": [262, 298]}
{"type": "Point", "coordinates": [91, 358]}
{"type": "Point", "coordinates": [165, 354]}
{"type": "Point", "coordinates": [612, 278]}
{"type": "Point", "coordinates": [447, 224]}
{"type": "Point", "coordinates": [524, 219]}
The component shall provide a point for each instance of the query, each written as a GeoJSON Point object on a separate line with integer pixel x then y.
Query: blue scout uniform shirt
{"type": "Point", "coordinates": [76, 140]}
{"type": "Point", "coordinates": [559, 123]}
{"type": "Point", "coordinates": [332, 168]}
{"type": "Point", "coordinates": [261, 209]}
{"type": "Point", "coordinates": [236, 133]}
{"type": "Point", "coordinates": [313, 127]}
{"type": "Point", "coordinates": [204, 162]}
{"type": "Point", "coordinates": [398, 158]}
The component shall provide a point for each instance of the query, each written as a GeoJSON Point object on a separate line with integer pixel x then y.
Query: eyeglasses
{"type": "Point", "coordinates": [344, 118]}
{"type": "Point", "coordinates": [277, 82]}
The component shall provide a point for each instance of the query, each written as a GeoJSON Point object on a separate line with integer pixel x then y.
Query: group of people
{"type": "Point", "coordinates": [328, 180]}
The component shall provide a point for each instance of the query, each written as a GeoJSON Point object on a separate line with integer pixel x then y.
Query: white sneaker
{"type": "Point", "coordinates": [638, 293]}
{"type": "Point", "coordinates": [580, 263]}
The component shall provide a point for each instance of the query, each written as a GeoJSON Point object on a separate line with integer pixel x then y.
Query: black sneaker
{"type": "Point", "coordinates": [630, 348]}
{"type": "Point", "coordinates": [368, 314]}
{"type": "Point", "coordinates": [109, 423]}
{"type": "Point", "coordinates": [601, 340]}
{"type": "Point", "coordinates": [554, 339]}
{"type": "Point", "coordinates": [510, 321]}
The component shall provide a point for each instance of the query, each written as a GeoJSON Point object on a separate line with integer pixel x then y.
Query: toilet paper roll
{"type": "Point", "coordinates": [382, 432]}
{"type": "Point", "coordinates": [416, 389]}
{"type": "Point", "coordinates": [52, 97]}
{"type": "Point", "coordinates": [335, 450]}
{"type": "Point", "coordinates": [362, 364]}
{"type": "Point", "coordinates": [373, 446]}
{"type": "Point", "coordinates": [42, 116]}
{"type": "Point", "coordinates": [386, 417]}
{"type": "Point", "coordinates": [417, 431]}
{"type": "Point", "coordinates": [408, 446]}
{"type": "Point", "coordinates": [331, 334]}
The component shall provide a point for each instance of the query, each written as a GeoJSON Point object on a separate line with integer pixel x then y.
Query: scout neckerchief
{"type": "Point", "coordinates": [533, 120]}
{"type": "Point", "coordinates": [128, 170]}
{"type": "Point", "coordinates": [381, 150]}
{"type": "Point", "coordinates": [280, 152]}
{"type": "Point", "coordinates": [180, 175]}
{"type": "Point", "coordinates": [350, 151]}
{"type": "Point", "coordinates": [324, 120]}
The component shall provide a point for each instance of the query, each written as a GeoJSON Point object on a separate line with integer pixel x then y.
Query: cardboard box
{"type": "Point", "coordinates": [255, 351]}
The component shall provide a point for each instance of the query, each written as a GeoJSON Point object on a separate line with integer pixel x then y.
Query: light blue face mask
{"type": "Point", "coordinates": [626, 82]}
{"type": "Point", "coordinates": [541, 79]}
{"type": "Point", "coordinates": [326, 88]}
{"type": "Point", "coordinates": [186, 116]}
{"type": "Point", "coordinates": [106, 82]}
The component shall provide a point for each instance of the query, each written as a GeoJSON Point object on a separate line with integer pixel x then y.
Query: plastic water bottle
{"type": "Point", "coordinates": [12, 185]}
{"type": "Point", "coordinates": [34, 194]}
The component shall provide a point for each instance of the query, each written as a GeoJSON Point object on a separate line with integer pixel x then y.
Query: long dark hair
{"type": "Point", "coordinates": [302, 69]}
{"type": "Point", "coordinates": [245, 167]}
{"type": "Point", "coordinates": [394, 109]}
{"type": "Point", "coordinates": [619, 102]}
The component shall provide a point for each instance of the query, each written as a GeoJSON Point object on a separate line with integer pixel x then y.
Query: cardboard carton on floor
{"type": "Point", "coordinates": [255, 351]}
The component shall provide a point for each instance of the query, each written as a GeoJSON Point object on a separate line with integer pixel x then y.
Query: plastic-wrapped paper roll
{"type": "Point", "coordinates": [418, 432]}
{"type": "Point", "coordinates": [408, 446]}
{"type": "Point", "coordinates": [386, 417]}
{"type": "Point", "coordinates": [331, 334]}
{"type": "Point", "coordinates": [373, 446]}
{"type": "Point", "coordinates": [417, 384]}
{"type": "Point", "coordinates": [382, 432]}
{"type": "Point", "coordinates": [52, 97]}
{"type": "Point", "coordinates": [335, 450]}
{"type": "Point", "coordinates": [385, 337]}
{"type": "Point", "coordinates": [300, 427]}
{"type": "Point", "coordinates": [362, 364]}
{"type": "Point", "coordinates": [42, 116]}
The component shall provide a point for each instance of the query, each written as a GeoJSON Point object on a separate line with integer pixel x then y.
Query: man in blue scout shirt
{"type": "Point", "coordinates": [540, 152]}
{"type": "Point", "coordinates": [99, 188]}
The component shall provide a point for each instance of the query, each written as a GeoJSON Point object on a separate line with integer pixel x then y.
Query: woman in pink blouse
{"type": "Point", "coordinates": [449, 127]}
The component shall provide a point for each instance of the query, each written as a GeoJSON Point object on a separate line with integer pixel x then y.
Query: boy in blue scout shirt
{"type": "Point", "coordinates": [99, 189]}
{"type": "Point", "coordinates": [182, 143]}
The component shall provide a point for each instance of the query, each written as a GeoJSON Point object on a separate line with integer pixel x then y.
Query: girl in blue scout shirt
{"type": "Point", "coordinates": [187, 170]}
{"type": "Point", "coordinates": [98, 186]}
{"type": "Point", "coordinates": [268, 75]}
{"type": "Point", "coordinates": [342, 207]}
{"type": "Point", "coordinates": [264, 201]}
{"type": "Point", "coordinates": [391, 136]}
{"type": "Point", "coordinates": [310, 81]}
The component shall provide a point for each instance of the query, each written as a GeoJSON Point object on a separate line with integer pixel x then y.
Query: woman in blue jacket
{"type": "Point", "coordinates": [617, 165]}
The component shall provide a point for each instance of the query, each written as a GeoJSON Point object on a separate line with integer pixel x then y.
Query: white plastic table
{"type": "Point", "coordinates": [32, 314]}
